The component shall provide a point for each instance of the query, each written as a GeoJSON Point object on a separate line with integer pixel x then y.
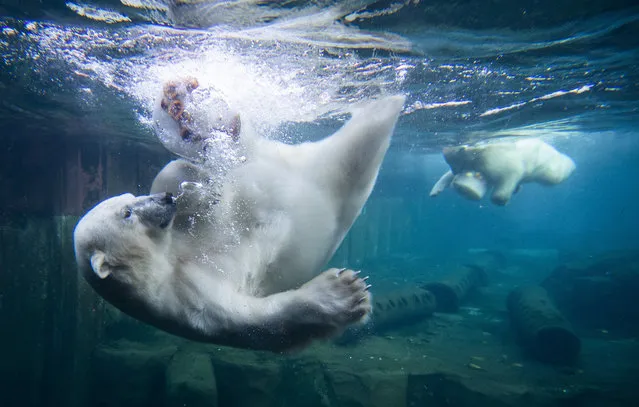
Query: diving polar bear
{"type": "Point", "coordinates": [244, 271]}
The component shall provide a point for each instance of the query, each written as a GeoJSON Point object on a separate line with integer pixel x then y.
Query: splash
{"type": "Point", "coordinates": [299, 67]}
{"type": "Point", "coordinates": [292, 68]}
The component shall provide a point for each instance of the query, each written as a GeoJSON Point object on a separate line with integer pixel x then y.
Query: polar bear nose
{"type": "Point", "coordinates": [166, 198]}
{"type": "Point", "coordinates": [156, 210]}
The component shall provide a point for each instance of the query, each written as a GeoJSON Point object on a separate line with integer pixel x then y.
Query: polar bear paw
{"type": "Point", "coordinates": [337, 298]}
{"type": "Point", "coordinates": [173, 99]}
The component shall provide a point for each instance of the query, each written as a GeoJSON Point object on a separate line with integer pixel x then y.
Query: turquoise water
{"type": "Point", "coordinates": [78, 82]}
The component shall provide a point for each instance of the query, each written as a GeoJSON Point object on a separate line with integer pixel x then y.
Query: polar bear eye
{"type": "Point", "coordinates": [127, 213]}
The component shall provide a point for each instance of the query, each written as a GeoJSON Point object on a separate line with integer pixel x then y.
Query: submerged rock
{"type": "Point", "coordinates": [129, 374]}
{"type": "Point", "coordinates": [190, 381]}
{"type": "Point", "coordinates": [599, 292]}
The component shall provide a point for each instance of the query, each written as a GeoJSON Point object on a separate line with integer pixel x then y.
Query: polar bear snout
{"type": "Point", "coordinates": [163, 198]}
{"type": "Point", "coordinates": [156, 210]}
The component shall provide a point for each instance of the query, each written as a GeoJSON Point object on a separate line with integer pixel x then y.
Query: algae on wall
{"type": "Point", "coordinates": [51, 320]}
{"type": "Point", "coordinates": [384, 229]}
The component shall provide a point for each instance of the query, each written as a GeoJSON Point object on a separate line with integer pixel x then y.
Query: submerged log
{"type": "Point", "coordinates": [541, 328]}
{"type": "Point", "coordinates": [392, 310]}
{"type": "Point", "coordinates": [400, 307]}
{"type": "Point", "coordinates": [454, 287]}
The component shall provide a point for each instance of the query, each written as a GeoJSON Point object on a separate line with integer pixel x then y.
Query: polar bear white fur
{"type": "Point", "coordinates": [503, 165]}
{"type": "Point", "coordinates": [237, 262]}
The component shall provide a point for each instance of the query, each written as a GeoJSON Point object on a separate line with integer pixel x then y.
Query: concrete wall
{"type": "Point", "coordinates": [50, 320]}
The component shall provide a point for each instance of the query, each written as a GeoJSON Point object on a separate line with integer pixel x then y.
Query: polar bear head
{"type": "Point", "coordinates": [462, 159]}
{"type": "Point", "coordinates": [122, 245]}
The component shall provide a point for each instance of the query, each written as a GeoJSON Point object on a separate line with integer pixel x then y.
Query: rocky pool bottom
{"type": "Point", "coordinates": [63, 346]}
{"type": "Point", "coordinates": [471, 357]}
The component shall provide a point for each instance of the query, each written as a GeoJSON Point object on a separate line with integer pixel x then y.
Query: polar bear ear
{"type": "Point", "coordinates": [99, 265]}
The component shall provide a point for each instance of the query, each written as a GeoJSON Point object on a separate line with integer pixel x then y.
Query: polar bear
{"type": "Point", "coordinates": [246, 271]}
{"type": "Point", "coordinates": [502, 165]}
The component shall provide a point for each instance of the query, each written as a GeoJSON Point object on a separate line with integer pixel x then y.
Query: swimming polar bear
{"type": "Point", "coordinates": [503, 165]}
{"type": "Point", "coordinates": [244, 272]}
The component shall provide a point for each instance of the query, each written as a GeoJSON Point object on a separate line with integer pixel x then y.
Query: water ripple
{"type": "Point", "coordinates": [285, 66]}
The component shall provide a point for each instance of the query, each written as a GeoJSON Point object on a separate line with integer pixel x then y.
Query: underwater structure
{"type": "Point", "coordinates": [394, 309]}
{"type": "Point", "coordinates": [402, 306]}
{"type": "Point", "coordinates": [411, 304]}
{"type": "Point", "coordinates": [541, 328]}
{"type": "Point", "coordinates": [598, 291]}
{"type": "Point", "coordinates": [450, 290]}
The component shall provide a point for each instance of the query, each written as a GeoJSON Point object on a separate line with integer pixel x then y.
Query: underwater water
{"type": "Point", "coordinates": [79, 83]}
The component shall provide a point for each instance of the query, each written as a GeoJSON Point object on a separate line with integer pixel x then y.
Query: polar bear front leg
{"type": "Point", "coordinates": [320, 309]}
{"type": "Point", "coordinates": [291, 320]}
{"type": "Point", "coordinates": [505, 188]}
{"type": "Point", "coordinates": [335, 299]}
{"type": "Point", "coordinates": [443, 183]}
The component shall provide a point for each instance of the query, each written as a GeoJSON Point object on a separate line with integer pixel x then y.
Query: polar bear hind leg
{"type": "Point", "coordinates": [355, 152]}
